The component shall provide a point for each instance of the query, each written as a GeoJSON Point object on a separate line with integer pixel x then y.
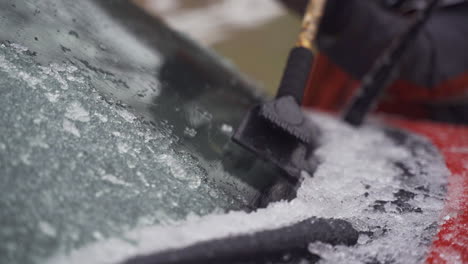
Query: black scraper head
{"type": "Point", "coordinates": [278, 132]}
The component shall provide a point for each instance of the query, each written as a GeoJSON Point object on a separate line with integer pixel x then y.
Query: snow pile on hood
{"type": "Point", "coordinates": [390, 190]}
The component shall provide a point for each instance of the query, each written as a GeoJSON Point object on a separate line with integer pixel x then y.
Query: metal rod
{"type": "Point", "coordinates": [310, 24]}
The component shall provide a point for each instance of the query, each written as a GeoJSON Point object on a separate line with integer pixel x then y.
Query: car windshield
{"type": "Point", "coordinates": [111, 121]}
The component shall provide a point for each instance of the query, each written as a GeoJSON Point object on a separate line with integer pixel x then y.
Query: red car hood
{"type": "Point", "coordinates": [449, 245]}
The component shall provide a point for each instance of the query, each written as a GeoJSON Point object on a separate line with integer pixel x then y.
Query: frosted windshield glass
{"type": "Point", "coordinates": [110, 121]}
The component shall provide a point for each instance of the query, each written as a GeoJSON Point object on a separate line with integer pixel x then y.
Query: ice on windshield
{"type": "Point", "coordinates": [100, 133]}
{"type": "Point", "coordinates": [78, 167]}
{"type": "Point", "coordinates": [392, 193]}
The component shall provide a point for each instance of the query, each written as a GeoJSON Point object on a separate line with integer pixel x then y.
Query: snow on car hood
{"type": "Point", "coordinates": [391, 190]}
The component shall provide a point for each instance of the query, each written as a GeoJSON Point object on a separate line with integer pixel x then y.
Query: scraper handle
{"type": "Point", "coordinates": [300, 59]}
{"type": "Point", "coordinates": [296, 74]}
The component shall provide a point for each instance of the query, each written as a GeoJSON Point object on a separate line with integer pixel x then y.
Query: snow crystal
{"type": "Point", "coordinates": [129, 117]}
{"type": "Point", "coordinates": [123, 147]}
{"type": "Point", "coordinates": [52, 97]}
{"type": "Point", "coordinates": [174, 165]}
{"type": "Point", "coordinates": [38, 141]}
{"type": "Point", "coordinates": [180, 170]}
{"type": "Point", "coordinates": [70, 127]}
{"type": "Point", "coordinates": [131, 163]}
{"type": "Point", "coordinates": [47, 228]}
{"type": "Point", "coordinates": [227, 129]}
{"type": "Point", "coordinates": [19, 47]}
{"type": "Point", "coordinates": [13, 71]}
{"type": "Point", "coordinates": [190, 132]}
{"type": "Point", "coordinates": [55, 70]}
{"type": "Point", "coordinates": [112, 179]}
{"type": "Point", "coordinates": [117, 133]}
{"type": "Point", "coordinates": [76, 112]}
{"type": "Point", "coordinates": [97, 235]}
{"type": "Point", "coordinates": [101, 117]}
{"type": "Point", "coordinates": [451, 256]}
{"type": "Point", "coordinates": [25, 158]}
{"type": "Point", "coordinates": [142, 178]}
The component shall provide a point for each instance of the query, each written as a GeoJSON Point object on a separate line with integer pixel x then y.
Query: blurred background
{"type": "Point", "coordinates": [255, 35]}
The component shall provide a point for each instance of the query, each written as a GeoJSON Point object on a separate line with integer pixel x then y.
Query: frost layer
{"type": "Point", "coordinates": [392, 192]}
{"type": "Point", "coordinates": [77, 167]}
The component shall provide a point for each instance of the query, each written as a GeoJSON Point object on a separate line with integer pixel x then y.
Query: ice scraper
{"type": "Point", "coordinates": [278, 130]}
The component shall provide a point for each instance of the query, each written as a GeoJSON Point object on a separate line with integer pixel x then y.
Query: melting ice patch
{"type": "Point", "coordinates": [391, 192]}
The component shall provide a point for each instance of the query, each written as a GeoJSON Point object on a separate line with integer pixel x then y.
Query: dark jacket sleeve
{"type": "Point", "coordinates": [437, 55]}
{"type": "Point", "coordinates": [353, 33]}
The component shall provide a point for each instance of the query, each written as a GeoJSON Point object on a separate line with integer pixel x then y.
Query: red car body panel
{"type": "Point", "coordinates": [450, 243]}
